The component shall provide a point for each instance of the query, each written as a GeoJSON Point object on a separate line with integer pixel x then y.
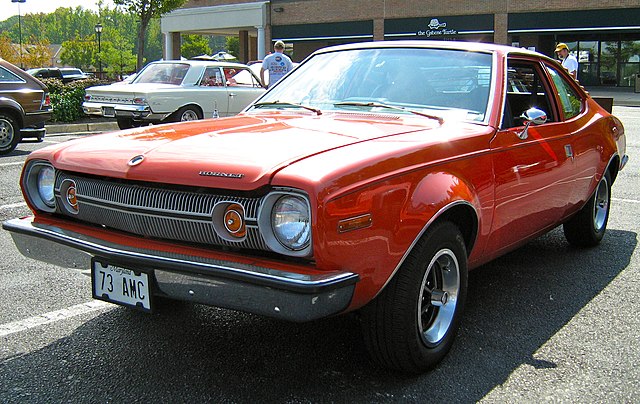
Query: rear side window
{"type": "Point", "coordinates": [569, 100]}
{"type": "Point", "coordinates": [7, 76]}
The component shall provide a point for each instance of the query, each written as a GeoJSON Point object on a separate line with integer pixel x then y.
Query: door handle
{"type": "Point", "coordinates": [232, 94]}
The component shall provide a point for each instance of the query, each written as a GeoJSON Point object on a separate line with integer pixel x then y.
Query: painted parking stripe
{"type": "Point", "coordinates": [15, 163]}
{"type": "Point", "coordinates": [626, 200]}
{"type": "Point", "coordinates": [13, 205]}
{"type": "Point", "coordinates": [52, 317]}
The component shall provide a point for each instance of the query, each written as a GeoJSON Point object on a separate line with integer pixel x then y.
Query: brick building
{"type": "Point", "coordinates": [603, 34]}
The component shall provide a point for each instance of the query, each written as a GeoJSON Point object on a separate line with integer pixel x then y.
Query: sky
{"type": "Point", "coordinates": [8, 9]}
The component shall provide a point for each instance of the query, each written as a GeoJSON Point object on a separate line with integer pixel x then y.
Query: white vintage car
{"type": "Point", "coordinates": [173, 91]}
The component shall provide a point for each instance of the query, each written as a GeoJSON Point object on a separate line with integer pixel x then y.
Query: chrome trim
{"type": "Point", "coordinates": [424, 229]}
{"type": "Point", "coordinates": [265, 222]}
{"type": "Point", "coordinates": [623, 161]}
{"type": "Point", "coordinates": [257, 289]}
{"type": "Point", "coordinates": [163, 213]}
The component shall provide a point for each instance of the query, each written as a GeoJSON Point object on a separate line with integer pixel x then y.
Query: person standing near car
{"type": "Point", "coordinates": [569, 61]}
{"type": "Point", "coordinates": [278, 64]}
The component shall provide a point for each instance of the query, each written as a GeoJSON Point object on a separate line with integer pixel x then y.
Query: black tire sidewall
{"type": "Point", "coordinates": [182, 110]}
{"type": "Point", "coordinates": [390, 321]}
{"type": "Point", "coordinates": [445, 236]}
{"type": "Point", "coordinates": [580, 230]}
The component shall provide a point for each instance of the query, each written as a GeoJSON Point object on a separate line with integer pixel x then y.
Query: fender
{"type": "Point", "coordinates": [441, 195]}
{"type": "Point", "coordinates": [13, 104]}
{"type": "Point", "coordinates": [399, 214]}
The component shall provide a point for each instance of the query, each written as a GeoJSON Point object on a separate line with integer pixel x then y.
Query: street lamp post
{"type": "Point", "coordinates": [20, 28]}
{"type": "Point", "coordinates": [98, 28]}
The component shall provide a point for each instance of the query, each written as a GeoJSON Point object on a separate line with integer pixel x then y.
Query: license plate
{"type": "Point", "coordinates": [120, 285]}
{"type": "Point", "coordinates": [109, 112]}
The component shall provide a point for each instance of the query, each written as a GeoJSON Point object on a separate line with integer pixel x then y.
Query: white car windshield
{"type": "Point", "coordinates": [446, 83]}
{"type": "Point", "coordinates": [165, 73]}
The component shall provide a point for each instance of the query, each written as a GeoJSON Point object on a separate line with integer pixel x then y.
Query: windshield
{"type": "Point", "coordinates": [165, 73]}
{"type": "Point", "coordinates": [452, 84]}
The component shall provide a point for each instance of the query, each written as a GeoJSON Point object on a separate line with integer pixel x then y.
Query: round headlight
{"type": "Point", "coordinates": [290, 222]}
{"type": "Point", "coordinates": [45, 183]}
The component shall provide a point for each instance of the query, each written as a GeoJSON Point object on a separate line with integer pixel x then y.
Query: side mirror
{"type": "Point", "coordinates": [532, 116]}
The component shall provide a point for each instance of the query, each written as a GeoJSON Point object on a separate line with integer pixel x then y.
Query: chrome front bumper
{"type": "Point", "coordinates": [136, 112]}
{"type": "Point", "coordinates": [256, 289]}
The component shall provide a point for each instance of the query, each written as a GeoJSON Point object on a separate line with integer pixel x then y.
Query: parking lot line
{"type": "Point", "coordinates": [625, 200]}
{"type": "Point", "coordinates": [13, 205]}
{"type": "Point", "coordinates": [52, 317]}
{"type": "Point", "coordinates": [15, 163]}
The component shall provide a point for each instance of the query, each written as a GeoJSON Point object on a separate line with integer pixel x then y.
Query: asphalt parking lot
{"type": "Point", "coordinates": [544, 323]}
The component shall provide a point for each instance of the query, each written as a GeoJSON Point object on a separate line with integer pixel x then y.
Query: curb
{"type": "Point", "coordinates": [82, 127]}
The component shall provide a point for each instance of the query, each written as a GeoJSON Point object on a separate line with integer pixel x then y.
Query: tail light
{"type": "Point", "coordinates": [46, 103]}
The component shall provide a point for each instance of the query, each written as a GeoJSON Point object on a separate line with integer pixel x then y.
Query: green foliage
{"type": "Point", "coordinates": [79, 52]}
{"type": "Point", "coordinates": [77, 27]}
{"type": "Point", "coordinates": [194, 45]}
{"type": "Point", "coordinates": [117, 55]}
{"type": "Point", "coordinates": [233, 45]}
{"type": "Point", "coordinates": [145, 10]}
{"type": "Point", "coordinates": [67, 99]}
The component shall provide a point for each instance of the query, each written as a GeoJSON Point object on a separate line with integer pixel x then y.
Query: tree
{"type": "Point", "coordinates": [37, 53]}
{"type": "Point", "coordinates": [194, 45]}
{"type": "Point", "coordinates": [117, 54]}
{"type": "Point", "coordinates": [80, 53]}
{"type": "Point", "coordinates": [233, 45]}
{"type": "Point", "coordinates": [9, 51]}
{"type": "Point", "coordinates": [146, 10]}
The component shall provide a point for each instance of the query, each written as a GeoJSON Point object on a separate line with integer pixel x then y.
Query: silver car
{"type": "Point", "coordinates": [174, 91]}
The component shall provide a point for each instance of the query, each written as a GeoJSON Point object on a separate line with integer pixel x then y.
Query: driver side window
{"type": "Point", "coordinates": [526, 89]}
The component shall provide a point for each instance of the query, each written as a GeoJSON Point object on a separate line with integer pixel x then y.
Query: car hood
{"type": "Point", "coordinates": [241, 152]}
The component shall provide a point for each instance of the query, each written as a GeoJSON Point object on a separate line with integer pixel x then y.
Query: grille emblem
{"type": "Point", "coordinates": [136, 160]}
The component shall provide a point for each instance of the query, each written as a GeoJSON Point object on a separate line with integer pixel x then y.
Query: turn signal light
{"type": "Point", "coordinates": [234, 220]}
{"type": "Point", "coordinates": [354, 223]}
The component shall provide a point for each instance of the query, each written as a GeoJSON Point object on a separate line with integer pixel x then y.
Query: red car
{"type": "Point", "coordinates": [371, 178]}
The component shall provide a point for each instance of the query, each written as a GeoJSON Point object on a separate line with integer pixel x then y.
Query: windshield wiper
{"type": "Point", "coordinates": [286, 103]}
{"type": "Point", "coordinates": [383, 105]}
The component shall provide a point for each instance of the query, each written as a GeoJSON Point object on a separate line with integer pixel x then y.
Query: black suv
{"type": "Point", "coordinates": [24, 107]}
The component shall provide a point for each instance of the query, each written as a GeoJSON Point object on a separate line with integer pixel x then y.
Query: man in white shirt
{"type": "Point", "coordinates": [569, 61]}
{"type": "Point", "coordinates": [277, 63]}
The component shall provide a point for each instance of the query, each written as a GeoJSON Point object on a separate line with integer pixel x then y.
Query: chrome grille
{"type": "Point", "coordinates": [157, 212]}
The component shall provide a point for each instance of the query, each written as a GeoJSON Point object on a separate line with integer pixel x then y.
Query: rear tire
{"type": "Point", "coordinates": [9, 133]}
{"type": "Point", "coordinates": [588, 226]}
{"type": "Point", "coordinates": [412, 324]}
{"type": "Point", "coordinates": [188, 113]}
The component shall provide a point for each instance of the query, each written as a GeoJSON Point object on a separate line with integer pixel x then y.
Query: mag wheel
{"type": "Point", "coordinates": [587, 227]}
{"type": "Point", "coordinates": [188, 114]}
{"type": "Point", "coordinates": [411, 325]}
{"type": "Point", "coordinates": [9, 134]}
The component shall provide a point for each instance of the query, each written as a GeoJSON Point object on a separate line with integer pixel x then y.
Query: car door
{"type": "Point", "coordinates": [211, 93]}
{"type": "Point", "coordinates": [243, 87]}
{"type": "Point", "coordinates": [533, 176]}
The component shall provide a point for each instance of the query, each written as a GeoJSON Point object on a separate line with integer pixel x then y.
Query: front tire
{"type": "Point", "coordinates": [587, 227]}
{"type": "Point", "coordinates": [9, 133]}
{"type": "Point", "coordinates": [411, 325]}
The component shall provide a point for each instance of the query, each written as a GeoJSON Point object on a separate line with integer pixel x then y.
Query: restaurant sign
{"type": "Point", "coordinates": [436, 28]}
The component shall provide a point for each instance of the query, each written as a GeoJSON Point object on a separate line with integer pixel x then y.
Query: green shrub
{"type": "Point", "coordinates": [67, 99]}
